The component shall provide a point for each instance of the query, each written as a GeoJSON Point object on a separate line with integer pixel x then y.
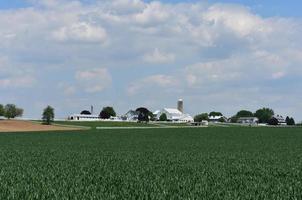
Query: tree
{"type": "Point", "coordinates": [234, 119]}
{"type": "Point", "coordinates": [1, 110]}
{"type": "Point", "coordinates": [244, 113]}
{"type": "Point", "coordinates": [163, 117]}
{"type": "Point", "coordinates": [201, 117]}
{"type": "Point", "coordinates": [273, 121]}
{"type": "Point", "coordinates": [11, 111]}
{"type": "Point", "coordinates": [48, 115]}
{"type": "Point", "coordinates": [264, 115]}
{"type": "Point", "coordinates": [85, 112]}
{"type": "Point", "coordinates": [144, 114]}
{"type": "Point", "coordinates": [222, 120]}
{"type": "Point", "coordinates": [107, 112]}
{"type": "Point", "coordinates": [290, 121]}
{"type": "Point", "coordinates": [214, 114]}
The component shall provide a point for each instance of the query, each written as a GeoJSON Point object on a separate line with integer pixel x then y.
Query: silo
{"type": "Point", "coordinates": [91, 110]}
{"type": "Point", "coordinates": [180, 105]}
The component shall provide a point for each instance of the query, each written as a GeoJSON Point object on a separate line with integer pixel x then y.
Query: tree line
{"type": "Point", "coordinates": [265, 115]}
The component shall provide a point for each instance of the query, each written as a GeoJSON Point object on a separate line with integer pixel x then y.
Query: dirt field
{"type": "Point", "coordinates": [25, 126]}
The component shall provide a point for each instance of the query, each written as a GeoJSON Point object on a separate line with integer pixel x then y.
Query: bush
{"type": "Point", "coordinates": [234, 119]}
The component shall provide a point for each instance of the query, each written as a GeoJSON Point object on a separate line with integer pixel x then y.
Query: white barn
{"type": "Point", "coordinates": [174, 115]}
{"type": "Point", "coordinates": [83, 117]}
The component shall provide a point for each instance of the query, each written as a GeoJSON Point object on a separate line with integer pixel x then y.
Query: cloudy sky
{"type": "Point", "coordinates": [217, 55]}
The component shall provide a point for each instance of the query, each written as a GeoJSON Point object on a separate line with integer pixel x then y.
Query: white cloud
{"type": "Point", "coordinates": [154, 12]}
{"type": "Point", "coordinates": [82, 32]}
{"type": "Point", "coordinates": [94, 80]}
{"type": "Point", "coordinates": [17, 82]}
{"type": "Point", "coordinates": [278, 75]}
{"type": "Point", "coordinates": [158, 81]}
{"type": "Point", "coordinates": [237, 19]}
{"type": "Point", "coordinates": [159, 57]}
{"type": "Point", "coordinates": [218, 47]}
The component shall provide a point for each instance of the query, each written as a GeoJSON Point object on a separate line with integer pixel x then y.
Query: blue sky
{"type": "Point", "coordinates": [216, 55]}
{"type": "Point", "coordinates": [291, 8]}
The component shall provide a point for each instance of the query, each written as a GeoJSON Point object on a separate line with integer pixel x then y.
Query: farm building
{"type": "Point", "coordinates": [173, 115]}
{"type": "Point", "coordinates": [83, 117]}
{"type": "Point", "coordinates": [216, 119]}
{"type": "Point", "coordinates": [248, 120]}
{"type": "Point", "coordinates": [280, 119]}
{"type": "Point", "coordinates": [131, 115]}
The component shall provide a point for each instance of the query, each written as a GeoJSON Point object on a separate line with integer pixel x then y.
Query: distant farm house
{"type": "Point", "coordinates": [248, 120]}
{"type": "Point", "coordinates": [131, 115]}
{"type": "Point", "coordinates": [217, 119]}
{"type": "Point", "coordinates": [85, 115]}
{"type": "Point", "coordinates": [280, 119]}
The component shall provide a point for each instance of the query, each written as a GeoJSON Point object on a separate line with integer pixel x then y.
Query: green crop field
{"type": "Point", "coordinates": [95, 124]}
{"type": "Point", "coordinates": [197, 163]}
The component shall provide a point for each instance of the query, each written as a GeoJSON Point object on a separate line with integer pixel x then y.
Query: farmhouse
{"type": "Point", "coordinates": [131, 115]}
{"type": "Point", "coordinates": [280, 119]}
{"type": "Point", "coordinates": [248, 120]}
{"type": "Point", "coordinates": [217, 119]}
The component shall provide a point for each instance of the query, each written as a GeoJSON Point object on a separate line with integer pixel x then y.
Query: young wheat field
{"type": "Point", "coordinates": [178, 163]}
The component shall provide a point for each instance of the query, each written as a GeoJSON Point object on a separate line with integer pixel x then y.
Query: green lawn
{"type": "Point", "coordinates": [205, 163]}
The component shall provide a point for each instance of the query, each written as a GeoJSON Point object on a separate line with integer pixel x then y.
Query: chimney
{"type": "Point", "coordinates": [180, 105]}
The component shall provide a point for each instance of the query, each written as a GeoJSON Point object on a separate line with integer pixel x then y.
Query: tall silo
{"type": "Point", "coordinates": [180, 105]}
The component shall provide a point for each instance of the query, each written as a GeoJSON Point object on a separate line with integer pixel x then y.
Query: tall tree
{"type": "Point", "coordinates": [107, 112]}
{"type": "Point", "coordinates": [11, 111]}
{"type": "Point", "coordinates": [163, 117]}
{"type": "Point", "coordinates": [1, 110]}
{"type": "Point", "coordinates": [264, 115]}
{"type": "Point", "coordinates": [244, 113]}
{"type": "Point", "coordinates": [201, 117]}
{"type": "Point", "coordinates": [291, 122]}
{"type": "Point", "coordinates": [214, 114]}
{"type": "Point", "coordinates": [48, 115]}
{"type": "Point", "coordinates": [144, 114]}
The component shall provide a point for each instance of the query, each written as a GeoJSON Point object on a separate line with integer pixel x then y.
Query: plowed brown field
{"type": "Point", "coordinates": [25, 126]}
